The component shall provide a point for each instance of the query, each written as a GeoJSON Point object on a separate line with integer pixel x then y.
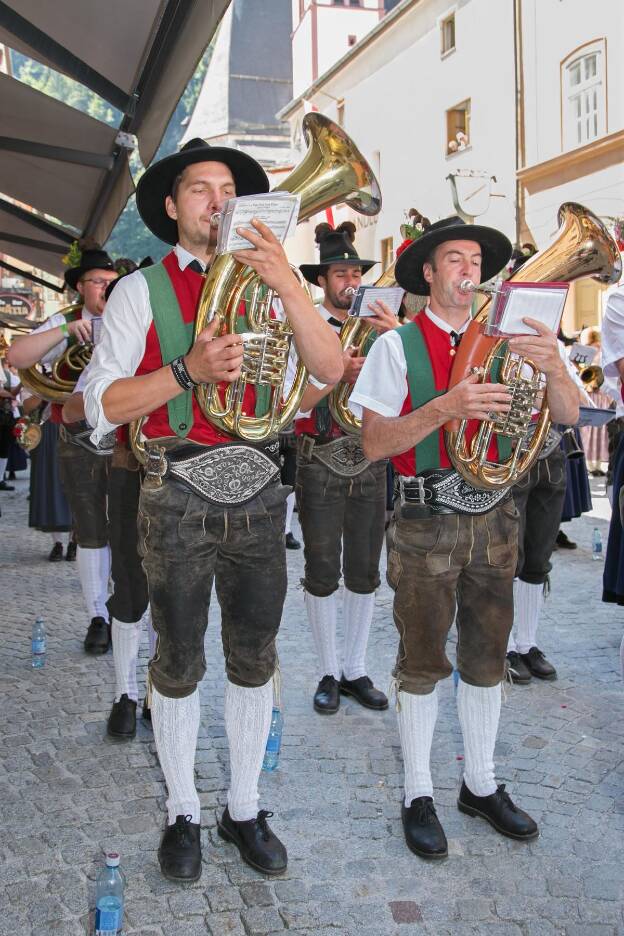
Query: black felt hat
{"type": "Point", "coordinates": [335, 246]}
{"type": "Point", "coordinates": [95, 259]}
{"type": "Point", "coordinates": [495, 249]}
{"type": "Point", "coordinates": [157, 182]}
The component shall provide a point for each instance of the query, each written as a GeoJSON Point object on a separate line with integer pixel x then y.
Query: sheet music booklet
{"type": "Point", "coordinates": [391, 295]}
{"type": "Point", "coordinates": [278, 210]}
{"type": "Point", "coordinates": [515, 301]}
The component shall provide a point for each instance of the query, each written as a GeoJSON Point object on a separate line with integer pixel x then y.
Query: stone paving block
{"type": "Point", "coordinates": [260, 920]}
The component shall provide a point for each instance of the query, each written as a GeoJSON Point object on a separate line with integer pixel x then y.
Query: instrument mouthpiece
{"type": "Point", "coordinates": [215, 219]}
{"type": "Point", "coordinates": [467, 286]}
{"type": "Point", "coordinates": [350, 291]}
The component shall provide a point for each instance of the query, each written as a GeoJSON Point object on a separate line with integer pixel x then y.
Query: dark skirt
{"type": "Point", "coordinates": [49, 510]}
{"type": "Point", "coordinates": [18, 460]}
{"type": "Point", "coordinates": [578, 495]}
{"type": "Point", "coordinates": [613, 576]}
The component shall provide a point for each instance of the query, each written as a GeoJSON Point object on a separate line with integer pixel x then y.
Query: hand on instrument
{"type": "Point", "coordinates": [470, 399]}
{"type": "Point", "coordinates": [352, 365]}
{"type": "Point", "coordinates": [81, 330]}
{"type": "Point", "coordinates": [268, 258]}
{"type": "Point", "coordinates": [211, 359]}
{"type": "Point", "coordinates": [542, 348]}
{"type": "Point", "coordinates": [384, 319]}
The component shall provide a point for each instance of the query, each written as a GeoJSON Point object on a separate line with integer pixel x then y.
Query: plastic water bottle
{"type": "Point", "coordinates": [38, 644]}
{"type": "Point", "coordinates": [596, 544]}
{"type": "Point", "coordinates": [109, 889]}
{"type": "Point", "coordinates": [274, 741]}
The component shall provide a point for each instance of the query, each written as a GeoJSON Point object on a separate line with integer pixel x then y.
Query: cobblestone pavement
{"type": "Point", "coordinates": [68, 792]}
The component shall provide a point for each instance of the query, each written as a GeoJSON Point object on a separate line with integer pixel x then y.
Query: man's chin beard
{"type": "Point", "coordinates": [341, 303]}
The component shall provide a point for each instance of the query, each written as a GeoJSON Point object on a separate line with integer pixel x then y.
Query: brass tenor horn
{"type": "Point", "coordinates": [332, 171]}
{"type": "Point", "coordinates": [354, 333]}
{"type": "Point", "coordinates": [58, 386]}
{"type": "Point", "coordinates": [582, 247]}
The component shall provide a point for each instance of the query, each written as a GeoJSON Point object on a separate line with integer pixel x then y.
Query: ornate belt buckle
{"type": "Point", "coordinates": [421, 494]}
{"type": "Point", "coordinates": [156, 467]}
{"type": "Point", "coordinates": [307, 448]}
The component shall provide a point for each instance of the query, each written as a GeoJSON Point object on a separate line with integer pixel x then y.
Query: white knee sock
{"type": "Point", "coordinates": [126, 640]}
{"type": "Point", "coordinates": [56, 538]}
{"type": "Point", "coordinates": [3, 463]}
{"type": "Point", "coordinates": [94, 571]}
{"type": "Point", "coordinates": [247, 723]}
{"type": "Point", "coordinates": [357, 611]}
{"type": "Point", "coordinates": [290, 506]}
{"type": "Point", "coordinates": [511, 643]}
{"type": "Point", "coordinates": [176, 723]}
{"type": "Point", "coordinates": [479, 708]}
{"type": "Point", "coordinates": [417, 716]}
{"type": "Point", "coordinates": [152, 636]}
{"type": "Point", "coordinates": [322, 618]}
{"type": "Point", "coordinates": [528, 601]}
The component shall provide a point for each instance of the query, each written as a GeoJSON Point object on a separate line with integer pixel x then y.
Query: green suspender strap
{"type": "Point", "coordinates": [175, 337]}
{"type": "Point", "coordinates": [422, 389]}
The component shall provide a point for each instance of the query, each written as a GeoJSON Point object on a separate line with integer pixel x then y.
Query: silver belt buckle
{"type": "Point", "coordinates": [421, 500]}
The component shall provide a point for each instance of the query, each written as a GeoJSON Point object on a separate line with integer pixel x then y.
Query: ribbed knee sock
{"type": "Point", "coordinates": [479, 708]}
{"type": "Point", "coordinates": [94, 573]}
{"type": "Point", "coordinates": [247, 723]}
{"type": "Point", "coordinates": [528, 601]}
{"type": "Point", "coordinates": [417, 716]}
{"type": "Point", "coordinates": [176, 724]}
{"type": "Point", "coordinates": [290, 506]}
{"type": "Point", "coordinates": [358, 614]}
{"type": "Point", "coordinates": [322, 617]}
{"type": "Point", "coordinates": [126, 641]}
{"type": "Point", "coordinates": [152, 636]}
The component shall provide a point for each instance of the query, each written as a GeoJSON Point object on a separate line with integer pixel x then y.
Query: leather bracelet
{"type": "Point", "coordinates": [181, 374]}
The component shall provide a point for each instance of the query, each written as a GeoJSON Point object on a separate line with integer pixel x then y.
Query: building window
{"type": "Point", "coordinates": [584, 111]}
{"type": "Point", "coordinates": [447, 35]}
{"type": "Point", "coordinates": [387, 252]}
{"type": "Point", "coordinates": [458, 127]}
{"type": "Point", "coordinates": [354, 3]}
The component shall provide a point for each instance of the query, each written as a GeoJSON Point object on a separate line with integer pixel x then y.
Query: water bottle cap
{"type": "Point", "coordinates": [112, 859]}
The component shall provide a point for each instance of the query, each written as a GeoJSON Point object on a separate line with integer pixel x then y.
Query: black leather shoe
{"type": "Point", "coordinates": [70, 555]}
{"type": "Point", "coordinates": [363, 690]}
{"type": "Point", "coordinates": [424, 834]}
{"type": "Point", "coordinates": [98, 638]}
{"type": "Point", "coordinates": [56, 553]}
{"type": "Point", "coordinates": [6, 487]}
{"type": "Point", "coordinates": [538, 665]}
{"type": "Point", "coordinates": [146, 712]}
{"type": "Point", "coordinates": [327, 696]}
{"type": "Point", "coordinates": [517, 669]}
{"type": "Point", "coordinates": [291, 542]}
{"type": "Point", "coordinates": [500, 811]}
{"type": "Point", "coordinates": [122, 719]}
{"type": "Point", "coordinates": [564, 542]}
{"type": "Point", "coordinates": [258, 846]}
{"type": "Point", "coordinates": [179, 853]}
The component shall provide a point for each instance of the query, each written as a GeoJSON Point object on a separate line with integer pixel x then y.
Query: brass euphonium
{"type": "Point", "coordinates": [58, 385]}
{"type": "Point", "coordinates": [354, 333]}
{"type": "Point", "coordinates": [582, 247]}
{"type": "Point", "coordinates": [332, 171]}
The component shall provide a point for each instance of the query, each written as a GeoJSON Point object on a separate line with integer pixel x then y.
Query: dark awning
{"type": "Point", "coordinates": [138, 57]}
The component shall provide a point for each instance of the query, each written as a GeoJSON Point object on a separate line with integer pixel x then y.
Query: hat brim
{"type": "Point", "coordinates": [73, 275]}
{"type": "Point", "coordinates": [156, 183]}
{"type": "Point", "coordinates": [495, 247]}
{"type": "Point", "coordinates": [311, 271]}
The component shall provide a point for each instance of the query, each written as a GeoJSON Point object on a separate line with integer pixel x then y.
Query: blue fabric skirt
{"type": "Point", "coordinates": [18, 460]}
{"type": "Point", "coordinates": [578, 494]}
{"type": "Point", "coordinates": [613, 575]}
{"type": "Point", "coordinates": [49, 511]}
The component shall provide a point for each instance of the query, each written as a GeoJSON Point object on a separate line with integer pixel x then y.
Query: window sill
{"type": "Point", "coordinates": [444, 55]}
{"type": "Point", "coordinates": [459, 152]}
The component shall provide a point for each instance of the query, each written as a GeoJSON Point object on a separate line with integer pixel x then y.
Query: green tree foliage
{"type": "Point", "coordinates": [129, 237]}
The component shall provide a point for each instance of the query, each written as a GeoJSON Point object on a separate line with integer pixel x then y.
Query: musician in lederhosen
{"type": "Point", "coordinates": [453, 547]}
{"type": "Point", "coordinates": [211, 507]}
{"type": "Point", "coordinates": [83, 470]}
{"type": "Point", "coordinates": [340, 496]}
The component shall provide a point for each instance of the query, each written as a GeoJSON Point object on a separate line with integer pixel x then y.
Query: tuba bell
{"type": "Point", "coordinates": [582, 247]}
{"type": "Point", "coordinates": [332, 171]}
{"type": "Point", "coordinates": [58, 385]}
{"type": "Point", "coordinates": [354, 333]}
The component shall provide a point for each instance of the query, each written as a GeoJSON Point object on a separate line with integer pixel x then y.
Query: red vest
{"type": "Point", "coordinates": [439, 346]}
{"type": "Point", "coordinates": [187, 285]}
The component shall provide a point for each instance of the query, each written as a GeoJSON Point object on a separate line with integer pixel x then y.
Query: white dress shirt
{"type": "Point", "coordinates": [612, 347]}
{"type": "Point", "coordinates": [121, 347]}
{"type": "Point", "coordinates": [53, 322]}
{"type": "Point", "coordinates": [293, 360]}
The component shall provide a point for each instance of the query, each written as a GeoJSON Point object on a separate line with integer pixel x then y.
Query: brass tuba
{"type": "Point", "coordinates": [332, 171]}
{"type": "Point", "coordinates": [582, 247]}
{"type": "Point", "coordinates": [58, 386]}
{"type": "Point", "coordinates": [354, 333]}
